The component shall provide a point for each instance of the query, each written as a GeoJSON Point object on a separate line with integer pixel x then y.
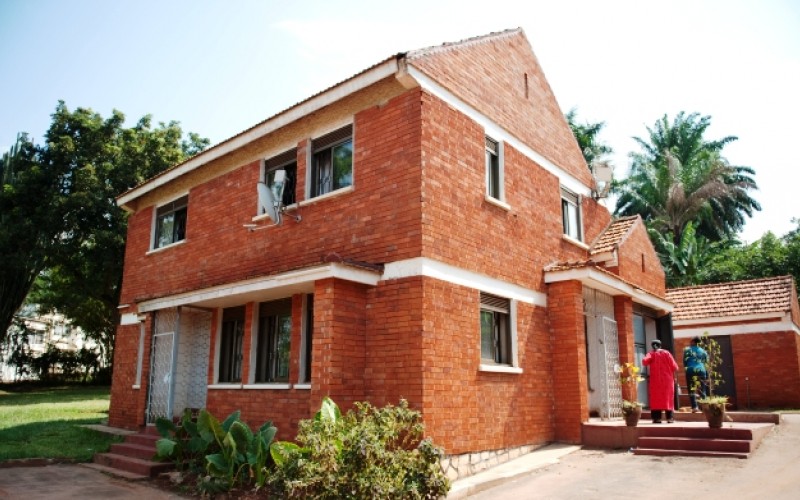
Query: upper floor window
{"type": "Point", "coordinates": [273, 341]}
{"type": "Point", "coordinates": [494, 174]}
{"type": "Point", "coordinates": [496, 342]}
{"type": "Point", "coordinates": [286, 161]}
{"type": "Point", "coordinates": [571, 214]}
{"type": "Point", "coordinates": [171, 222]}
{"type": "Point", "coordinates": [230, 345]}
{"type": "Point", "coordinates": [332, 162]}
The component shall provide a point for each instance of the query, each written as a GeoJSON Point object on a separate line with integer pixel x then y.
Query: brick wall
{"type": "Point", "coordinates": [639, 263]}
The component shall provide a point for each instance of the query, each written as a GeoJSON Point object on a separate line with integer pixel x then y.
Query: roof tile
{"type": "Point", "coordinates": [740, 298]}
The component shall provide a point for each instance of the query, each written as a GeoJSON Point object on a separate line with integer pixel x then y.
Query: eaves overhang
{"type": "Point", "coordinates": [610, 284]}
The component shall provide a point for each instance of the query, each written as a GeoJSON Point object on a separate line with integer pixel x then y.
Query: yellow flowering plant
{"type": "Point", "coordinates": [629, 377]}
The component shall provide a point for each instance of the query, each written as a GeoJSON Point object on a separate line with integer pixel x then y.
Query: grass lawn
{"type": "Point", "coordinates": [45, 423]}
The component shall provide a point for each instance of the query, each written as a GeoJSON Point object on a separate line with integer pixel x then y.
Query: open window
{"type": "Point", "coordinates": [571, 214]}
{"type": "Point", "coordinates": [494, 170]}
{"type": "Point", "coordinates": [170, 223]}
{"type": "Point", "coordinates": [332, 162]}
{"type": "Point", "coordinates": [273, 342]}
{"type": "Point", "coordinates": [286, 161]}
{"type": "Point", "coordinates": [230, 345]}
{"type": "Point", "coordinates": [496, 341]}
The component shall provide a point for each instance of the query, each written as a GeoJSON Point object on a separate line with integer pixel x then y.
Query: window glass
{"type": "Point", "coordinates": [274, 341]}
{"type": "Point", "coordinates": [230, 352]}
{"type": "Point", "coordinates": [493, 168]}
{"type": "Point", "coordinates": [332, 165]}
{"type": "Point", "coordinates": [570, 213]}
{"type": "Point", "coordinates": [286, 161]}
{"type": "Point", "coordinates": [495, 329]}
{"type": "Point", "coordinates": [308, 340]}
{"type": "Point", "coordinates": [171, 222]}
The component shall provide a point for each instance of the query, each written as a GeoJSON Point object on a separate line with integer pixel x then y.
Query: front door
{"type": "Point", "coordinates": [602, 354]}
{"type": "Point", "coordinates": [162, 357]}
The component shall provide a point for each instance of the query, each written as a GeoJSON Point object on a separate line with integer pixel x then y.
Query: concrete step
{"type": "Point", "coordinates": [145, 452]}
{"type": "Point", "coordinates": [115, 472]}
{"type": "Point", "coordinates": [696, 444]}
{"type": "Point", "coordinates": [143, 439]}
{"type": "Point", "coordinates": [688, 453]}
{"type": "Point", "coordinates": [132, 464]}
{"type": "Point", "coordinates": [667, 430]}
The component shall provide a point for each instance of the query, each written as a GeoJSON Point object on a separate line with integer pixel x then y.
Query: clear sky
{"type": "Point", "coordinates": [219, 67]}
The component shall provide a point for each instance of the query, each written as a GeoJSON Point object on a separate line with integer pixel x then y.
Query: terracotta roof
{"type": "Point", "coordinates": [567, 265]}
{"type": "Point", "coordinates": [739, 298]}
{"type": "Point", "coordinates": [613, 235]}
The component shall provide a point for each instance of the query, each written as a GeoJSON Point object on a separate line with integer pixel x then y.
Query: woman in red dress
{"type": "Point", "coordinates": [662, 382]}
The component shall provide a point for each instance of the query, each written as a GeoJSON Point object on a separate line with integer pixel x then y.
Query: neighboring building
{"type": "Point", "coordinates": [757, 325]}
{"type": "Point", "coordinates": [440, 238]}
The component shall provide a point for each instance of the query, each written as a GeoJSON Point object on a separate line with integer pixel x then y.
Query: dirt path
{"type": "Point", "coordinates": [772, 472]}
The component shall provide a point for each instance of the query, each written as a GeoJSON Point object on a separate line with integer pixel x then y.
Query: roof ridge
{"type": "Point", "coordinates": [729, 283]}
{"type": "Point", "coordinates": [447, 46]}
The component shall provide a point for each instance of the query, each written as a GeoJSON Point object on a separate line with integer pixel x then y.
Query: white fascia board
{"type": "Point", "coordinates": [496, 132]}
{"type": "Point", "coordinates": [304, 278]}
{"type": "Point", "coordinates": [129, 319]}
{"type": "Point", "coordinates": [355, 84]}
{"type": "Point", "coordinates": [423, 266]}
{"type": "Point", "coordinates": [728, 319]}
{"type": "Point", "coordinates": [608, 284]}
{"type": "Point", "coordinates": [771, 327]}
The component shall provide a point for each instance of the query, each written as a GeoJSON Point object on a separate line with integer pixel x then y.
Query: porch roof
{"type": "Point", "coordinates": [593, 276]}
{"type": "Point", "coordinates": [266, 287]}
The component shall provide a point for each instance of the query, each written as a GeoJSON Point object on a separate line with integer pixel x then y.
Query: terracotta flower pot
{"type": "Point", "coordinates": [714, 413]}
{"type": "Point", "coordinates": [632, 416]}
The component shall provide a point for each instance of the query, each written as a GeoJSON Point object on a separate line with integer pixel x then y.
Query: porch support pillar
{"type": "Point", "coordinates": [623, 314]}
{"type": "Point", "coordinates": [570, 386]}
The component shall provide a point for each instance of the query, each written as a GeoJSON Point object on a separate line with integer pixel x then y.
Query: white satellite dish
{"type": "Point", "coordinates": [266, 200]}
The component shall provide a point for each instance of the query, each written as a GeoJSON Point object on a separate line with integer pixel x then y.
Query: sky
{"type": "Point", "coordinates": [219, 67]}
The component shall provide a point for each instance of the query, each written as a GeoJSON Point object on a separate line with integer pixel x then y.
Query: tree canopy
{"type": "Point", "coordinates": [86, 161]}
{"type": "Point", "coordinates": [680, 177]}
{"type": "Point", "coordinates": [587, 135]}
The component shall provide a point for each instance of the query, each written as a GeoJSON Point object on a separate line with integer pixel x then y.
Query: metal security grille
{"type": "Point", "coordinates": [612, 392]}
{"type": "Point", "coordinates": [161, 362]}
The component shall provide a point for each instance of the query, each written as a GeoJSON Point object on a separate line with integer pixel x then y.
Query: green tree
{"type": "Point", "coordinates": [587, 135]}
{"type": "Point", "coordinates": [92, 160]}
{"type": "Point", "coordinates": [680, 177]}
{"type": "Point", "coordinates": [684, 263]}
{"type": "Point", "coordinates": [27, 230]}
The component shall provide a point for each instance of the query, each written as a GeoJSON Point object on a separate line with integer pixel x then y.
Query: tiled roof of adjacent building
{"type": "Point", "coordinates": [613, 234]}
{"type": "Point", "coordinates": [739, 298]}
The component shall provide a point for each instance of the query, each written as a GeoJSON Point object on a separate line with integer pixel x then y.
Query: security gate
{"type": "Point", "coordinates": [612, 391]}
{"type": "Point", "coordinates": [162, 358]}
{"type": "Point", "coordinates": [602, 354]}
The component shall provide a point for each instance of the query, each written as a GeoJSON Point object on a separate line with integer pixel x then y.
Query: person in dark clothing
{"type": "Point", "coordinates": [694, 363]}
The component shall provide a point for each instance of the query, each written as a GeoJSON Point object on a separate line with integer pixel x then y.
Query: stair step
{"type": "Point", "coordinates": [143, 439]}
{"type": "Point", "coordinates": [697, 432]}
{"type": "Point", "coordinates": [696, 444]}
{"type": "Point", "coordinates": [688, 453]}
{"type": "Point", "coordinates": [145, 452]}
{"type": "Point", "coordinates": [116, 472]}
{"type": "Point", "coordinates": [132, 464]}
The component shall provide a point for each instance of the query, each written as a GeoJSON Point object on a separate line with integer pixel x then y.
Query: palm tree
{"type": "Point", "coordinates": [587, 136]}
{"type": "Point", "coordinates": [679, 177]}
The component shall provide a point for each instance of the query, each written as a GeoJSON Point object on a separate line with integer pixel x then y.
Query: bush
{"type": "Point", "coordinates": [367, 453]}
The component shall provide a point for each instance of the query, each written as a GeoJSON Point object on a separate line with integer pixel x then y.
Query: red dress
{"type": "Point", "coordinates": [662, 379]}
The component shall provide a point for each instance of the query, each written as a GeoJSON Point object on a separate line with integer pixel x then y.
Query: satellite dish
{"type": "Point", "coordinates": [603, 172]}
{"type": "Point", "coordinates": [266, 200]}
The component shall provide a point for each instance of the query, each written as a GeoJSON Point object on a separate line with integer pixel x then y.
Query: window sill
{"type": "Point", "coordinates": [302, 386]}
{"type": "Point", "coordinates": [165, 247]}
{"type": "Point", "coordinates": [498, 203]}
{"type": "Point", "coordinates": [225, 386]}
{"type": "Point", "coordinates": [332, 194]}
{"type": "Point", "coordinates": [577, 243]}
{"type": "Point", "coordinates": [136, 386]}
{"type": "Point", "coordinates": [267, 386]}
{"type": "Point", "coordinates": [500, 369]}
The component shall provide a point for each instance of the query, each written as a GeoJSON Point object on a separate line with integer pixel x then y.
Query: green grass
{"type": "Point", "coordinates": [45, 423]}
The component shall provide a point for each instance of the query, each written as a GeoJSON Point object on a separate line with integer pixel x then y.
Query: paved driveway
{"type": "Point", "coordinates": [772, 472]}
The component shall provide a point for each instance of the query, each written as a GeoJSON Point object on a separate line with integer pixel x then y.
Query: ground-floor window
{"type": "Point", "coordinates": [230, 346]}
{"type": "Point", "coordinates": [273, 344]}
{"type": "Point", "coordinates": [496, 330]}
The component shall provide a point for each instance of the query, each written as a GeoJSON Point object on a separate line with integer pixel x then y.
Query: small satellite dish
{"type": "Point", "coordinates": [603, 172]}
{"type": "Point", "coordinates": [266, 200]}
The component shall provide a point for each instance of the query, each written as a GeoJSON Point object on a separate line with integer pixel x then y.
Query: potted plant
{"type": "Point", "coordinates": [713, 406]}
{"type": "Point", "coordinates": [629, 377]}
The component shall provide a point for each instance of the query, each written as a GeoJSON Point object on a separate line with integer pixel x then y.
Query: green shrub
{"type": "Point", "coordinates": [367, 453]}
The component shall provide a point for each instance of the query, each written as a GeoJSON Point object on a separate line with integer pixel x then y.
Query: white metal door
{"type": "Point", "coordinates": [162, 357]}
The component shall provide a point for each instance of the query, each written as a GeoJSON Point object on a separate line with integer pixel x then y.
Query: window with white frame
{"type": "Point", "coordinates": [307, 340]}
{"type": "Point", "coordinates": [332, 162]}
{"type": "Point", "coordinates": [571, 214]}
{"type": "Point", "coordinates": [494, 169]}
{"type": "Point", "coordinates": [286, 161]}
{"type": "Point", "coordinates": [170, 224]}
{"type": "Point", "coordinates": [273, 342]}
{"type": "Point", "coordinates": [230, 345]}
{"type": "Point", "coordinates": [496, 342]}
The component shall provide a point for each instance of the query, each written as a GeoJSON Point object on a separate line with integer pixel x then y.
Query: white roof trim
{"type": "Point", "coordinates": [728, 319]}
{"type": "Point", "coordinates": [495, 132]}
{"type": "Point", "coordinates": [422, 266]}
{"type": "Point", "coordinates": [319, 101]}
{"type": "Point", "coordinates": [608, 284]}
{"type": "Point", "coordinates": [772, 327]}
{"type": "Point", "coordinates": [301, 280]}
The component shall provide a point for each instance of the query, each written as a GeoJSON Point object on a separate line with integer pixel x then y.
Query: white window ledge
{"type": "Point", "coordinates": [575, 242]}
{"type": "Point", "coordinates": [171, 245]}
{"type": "Point", "coordinates": [302, 386]}
{"type": "Point", "coordinates": [496, 202]}
{"type": "Point", "coordinates": [332, 194]}
{"type": "Point", "coordinates": [268, 387]}
{"type": "Point", "coordinates": [500, 369]}
{"type": "Point", "coordinates": [136, 386]}
{"type": "Point", "coordinates": [225, 386]}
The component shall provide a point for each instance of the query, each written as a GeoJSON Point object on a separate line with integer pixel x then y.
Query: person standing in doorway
{"type": "Point", "coordinates": [694, 362]}
{"type": "Point", "coordinates": [662, 382]}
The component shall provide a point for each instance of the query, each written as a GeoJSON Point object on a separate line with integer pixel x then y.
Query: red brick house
{"type": "Point", "coordinates": [439, 240]}
{"type": "Point", "coordinates": [757, 324]}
